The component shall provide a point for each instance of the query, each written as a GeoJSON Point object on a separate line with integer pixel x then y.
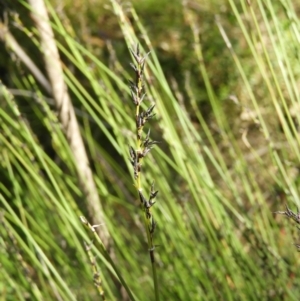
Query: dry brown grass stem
{"type": "Point", "coordinates": [14, 46]}
{"type": "Point", "coordinates": [67, 115]}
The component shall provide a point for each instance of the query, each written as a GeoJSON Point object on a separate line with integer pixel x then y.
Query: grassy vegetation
{"type": "Point", "coordinates": [224, 77]}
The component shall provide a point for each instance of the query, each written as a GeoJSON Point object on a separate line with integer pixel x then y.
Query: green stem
{"type": "Point", "coordinates": [107, 256]}
{"type": "Point", "coordinates": [152, 258]}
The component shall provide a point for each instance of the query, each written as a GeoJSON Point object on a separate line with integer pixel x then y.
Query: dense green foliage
{"type": "Point", "coordinates": [225, 78]}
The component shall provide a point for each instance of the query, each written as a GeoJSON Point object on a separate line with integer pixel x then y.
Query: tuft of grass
{"type": "Point", "coordinates": [229, 158]}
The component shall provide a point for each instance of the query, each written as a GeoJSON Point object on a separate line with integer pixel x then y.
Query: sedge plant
{"type": "Point", "coordinates": [143, 146]}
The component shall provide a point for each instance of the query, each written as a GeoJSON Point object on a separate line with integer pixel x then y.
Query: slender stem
{"type": "Point", "coordinates": [96, 274]}
{"type": "Point", "coordinates": [107, 256]}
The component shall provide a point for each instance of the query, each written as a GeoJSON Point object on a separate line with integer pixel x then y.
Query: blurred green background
{"type": "Point", "coordinates": [225, 77]}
